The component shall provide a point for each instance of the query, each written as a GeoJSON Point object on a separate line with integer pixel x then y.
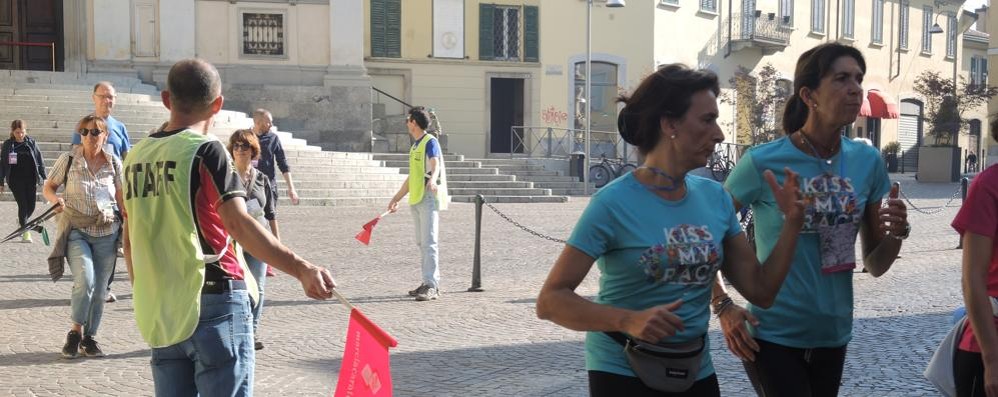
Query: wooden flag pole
{"type": "Point", "coordinates": [342, 300]}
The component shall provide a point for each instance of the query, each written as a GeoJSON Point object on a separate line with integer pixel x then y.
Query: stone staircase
{"type": "Point", "coordinates": [499, 180]}
{"type": "Point", "coordinates": [52, 103]}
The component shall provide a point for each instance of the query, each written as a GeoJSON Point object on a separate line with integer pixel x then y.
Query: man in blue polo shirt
{"type": "Point", "coordinates": [104, 97]}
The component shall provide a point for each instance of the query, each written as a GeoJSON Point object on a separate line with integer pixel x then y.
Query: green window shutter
{"type": "Point", "coordinates": [378, 28]}
{"type": "Point", "coordinates": [393, 28]}
{"type": "Point", "coordinates": [486, 36]}
{"type": "Point", "coordinates": [531, 29]}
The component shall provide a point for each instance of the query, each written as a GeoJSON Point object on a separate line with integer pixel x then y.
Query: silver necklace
{"type": "Point", "coordinates": [803, 137]}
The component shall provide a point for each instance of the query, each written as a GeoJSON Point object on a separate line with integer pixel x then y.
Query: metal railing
{"type": "Point", "coordinates": [27, 44]}
{"type": "Point", "coordinates": [756, 26]}
{"type": "Point", "coordinates": [554, 142]}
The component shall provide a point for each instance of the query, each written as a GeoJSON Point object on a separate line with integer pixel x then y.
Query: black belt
{"type": "Point", "coordinates": [221, 286]}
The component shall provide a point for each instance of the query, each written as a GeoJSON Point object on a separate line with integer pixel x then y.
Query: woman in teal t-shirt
{"type": "Point", "coordinates": [797, 347]}
{"type": "Point", "coordinates": [658, 237]}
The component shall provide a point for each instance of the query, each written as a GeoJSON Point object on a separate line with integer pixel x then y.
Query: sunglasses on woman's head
{"type": "Point", "coordinates": [94, 132]}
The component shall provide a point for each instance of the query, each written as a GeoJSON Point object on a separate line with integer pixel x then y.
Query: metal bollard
{"type": "Point", "coordinates": [963, 198]}
{"type": "Point", "coordinates": [476, 270]}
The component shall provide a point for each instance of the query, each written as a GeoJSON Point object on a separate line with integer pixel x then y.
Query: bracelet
{"type": "Point", "coordinates": [717, 298]}
{"type": "Point", "coordinates": [722, 305]}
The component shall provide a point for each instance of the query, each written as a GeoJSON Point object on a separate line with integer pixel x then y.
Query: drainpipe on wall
{"type": "Point", "coordinates": [727, 51]}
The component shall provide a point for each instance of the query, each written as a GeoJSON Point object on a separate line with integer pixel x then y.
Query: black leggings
{"type": "Point", "coordinates": [25, 193]}
{"type": "Point", "coordinates": [607, 384]}
{"type": "Point", "coordinates": [968, 371]}
{"type": "Point", "coordinates": [780, 371]}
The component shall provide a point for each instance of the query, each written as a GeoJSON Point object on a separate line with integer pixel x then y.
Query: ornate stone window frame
{"type": "Point", "coordinates": [240, 15]}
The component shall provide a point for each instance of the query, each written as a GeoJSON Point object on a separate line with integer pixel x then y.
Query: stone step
{"type": "Point", "coordinates": [512, 199]}
{"type": "Point", "coordinates": [449, 164]}
{"type": "Point", "coordinates": [488, 184]}
{"type": "Point", "coordinates": [463, 171]}
{"type": "Point", "coordinates": [344, 193]}
{"type": "Point", "coordinates": [533, 173]}
{"type": "Point", "coordinates": [560, 185]}
{"type": "Point", "coordinates": [405, 157]}
{"type": "Point", "coordinates": [572, 192]}
{"type": "Point", "coordinates": [64, 135]}
{"type": "Point", "coordinates": [120, 112]}
{"type": "Point", "coordinates": [483, 178]}
{"type": "Point", "coordinates": [23, 90]}
{"type": "Point", "coordinates": [509, 169]}
{"type": "Point", "coordinates": [496, 191]}
{"type": "Point", "coordinates": [342, 184]}
{"type": "Point", "coordinates": [379, 202]}
{"type": "Point", "coordinates": [49, 157]}
{"type": "Point", "coordinates": [547, 178]}
{"type": "Point", "coordinates": [300, 178]}
{"type": "Point", "coordinates": [71, 119]}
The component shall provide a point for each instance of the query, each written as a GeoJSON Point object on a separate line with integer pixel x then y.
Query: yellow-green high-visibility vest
{"type": "Point", "coordinates": [418, 174]}
{"type": "Point", "coordinates": [168, 263]}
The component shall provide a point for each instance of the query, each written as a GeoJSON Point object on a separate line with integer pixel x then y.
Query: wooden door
{"type": "Point", "coordinates": [41, 22]}
{"type": "Point", "coordinates": [31, 21]}
{"type": "Point", "coordinates": [9, 58]}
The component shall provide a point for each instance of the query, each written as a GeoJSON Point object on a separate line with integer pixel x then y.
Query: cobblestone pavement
{"type": "Point", "coordinates": [465, 344]}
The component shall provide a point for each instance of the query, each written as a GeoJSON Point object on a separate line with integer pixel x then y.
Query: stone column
{"type": "Point", "coordinates": [346, 44]}
{"type": "Point", "coordinates": [75, 21]}
{"type": "Point", "coordinates": [347, 80]}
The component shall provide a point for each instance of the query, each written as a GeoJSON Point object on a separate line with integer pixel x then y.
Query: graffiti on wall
{"type": "Point", "coordinates": [553, 116]}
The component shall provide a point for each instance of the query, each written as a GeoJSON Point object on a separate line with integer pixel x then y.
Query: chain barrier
{"type": "Point", "coordinates": [937, 210]}
{"type": "Point", "coordinates": [524, 228]}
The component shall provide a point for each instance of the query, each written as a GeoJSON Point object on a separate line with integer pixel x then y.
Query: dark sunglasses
{"type": "Point", "coordinates": [241, 146]}
{"type": "Point", "coordinates": [94, 132]}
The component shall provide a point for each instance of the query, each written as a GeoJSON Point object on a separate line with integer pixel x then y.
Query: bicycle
{"type": "Point", "coordinates": [608, 170]}
{"type": "Point", "coordinates": [720, 166]}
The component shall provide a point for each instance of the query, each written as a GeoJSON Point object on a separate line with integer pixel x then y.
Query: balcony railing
{"type": "Point", "coordinates": [757, 30]}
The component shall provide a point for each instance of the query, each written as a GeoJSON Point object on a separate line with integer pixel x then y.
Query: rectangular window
{"type": "Point", "coordinates": [708, 5]}
{"type": "Point", "coordinates": [818, 16]}
{"type": "Point", "coordinates": [903, 31]}
{"type": "Point", "coordinates": [974, 72]}
{"type": "Point", "coordinates": [877, 34]}
{"type": "Point", "coordinates": [787, 12]}
{"type": "Point", "coordinates": [978, 70]}
{"type": "Point", "coordinates": [386, 28]}
{"type": "Point", "coordinates": [670, 2]}
{"type": "Point", "coordinates": [926, 26]}
{"type": "Point", "coordinates": [951, 36]}
{"type": "Point", "coordinates": [849, 19]}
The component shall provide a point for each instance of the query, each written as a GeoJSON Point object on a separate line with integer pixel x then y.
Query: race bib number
{"type": "Point", "coordinates": [838, 247]}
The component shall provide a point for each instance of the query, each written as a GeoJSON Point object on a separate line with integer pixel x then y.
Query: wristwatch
{"type": "Point", "coordinates": [907, 231]}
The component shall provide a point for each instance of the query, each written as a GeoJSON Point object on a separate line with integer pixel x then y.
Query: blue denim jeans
{"type": "Point", "coordinates": [91, 260]}
{"type": "Point", "coordinates": [218, 360]}
{"type": "Point", "coordinates": [425, 217]}
{"type": "Point", "coordinates": [259, 271]}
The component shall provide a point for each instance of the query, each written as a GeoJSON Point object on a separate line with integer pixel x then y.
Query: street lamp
{"type": "Point", "coordinates": [589, 79]}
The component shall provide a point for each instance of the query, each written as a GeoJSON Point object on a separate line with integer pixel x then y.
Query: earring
{"type": "Point", "coordinates": [673, 136]}
{"type": "Point", "coordinates": [815, 105]}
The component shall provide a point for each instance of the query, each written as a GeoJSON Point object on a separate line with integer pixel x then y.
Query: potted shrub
{"type": "Point", "coordinates": [891, 151]}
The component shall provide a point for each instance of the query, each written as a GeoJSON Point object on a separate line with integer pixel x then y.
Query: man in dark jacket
{"type": "Point", "coordinates": [272, 153]}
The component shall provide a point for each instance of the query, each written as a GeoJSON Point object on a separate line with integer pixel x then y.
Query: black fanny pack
{"type": "Point", "coordinates": [667, 367]}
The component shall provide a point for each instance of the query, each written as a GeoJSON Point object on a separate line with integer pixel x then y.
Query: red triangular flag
{"type": "Point", "coordinates": [365, 235]}
{"type": "Point", "coordinates": [365, 370]}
